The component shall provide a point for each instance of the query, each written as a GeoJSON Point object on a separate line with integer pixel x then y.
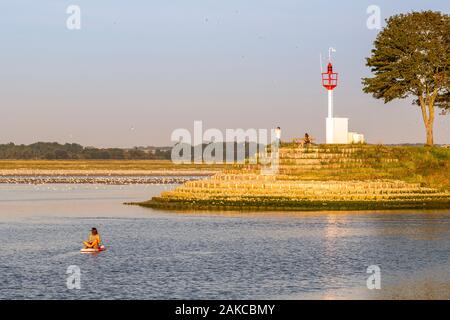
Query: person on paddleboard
{"type": "Point", "coordinates": [94, 241]}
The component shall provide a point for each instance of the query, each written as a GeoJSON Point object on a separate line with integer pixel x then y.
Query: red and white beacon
{"type": "Point", "coordinates": [337, 128]}
{"type": "Point", "coordinates": [330, 82]}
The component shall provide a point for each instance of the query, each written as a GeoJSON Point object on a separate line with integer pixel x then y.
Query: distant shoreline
{"type": "Point", "coordinates": [112, 172]}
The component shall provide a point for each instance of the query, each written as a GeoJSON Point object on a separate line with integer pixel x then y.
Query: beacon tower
{"type": "Point", "coordinates": [336, 128]}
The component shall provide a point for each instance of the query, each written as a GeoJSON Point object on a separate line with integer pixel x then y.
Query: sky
{"type": "Point", "coordinates": [137, 70]}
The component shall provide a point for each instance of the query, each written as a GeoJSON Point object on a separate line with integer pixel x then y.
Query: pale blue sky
{"type": "Point", "coordinates": [158, 65]}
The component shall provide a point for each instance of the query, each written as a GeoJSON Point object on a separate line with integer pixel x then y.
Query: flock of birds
{"type": "Point", "coordinates": [110, 180]}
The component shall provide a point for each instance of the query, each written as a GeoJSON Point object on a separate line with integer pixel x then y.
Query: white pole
{"type": "Point", "coordinates": [330, 103]}
{"type": "Point", "coordinates": [330, 120]}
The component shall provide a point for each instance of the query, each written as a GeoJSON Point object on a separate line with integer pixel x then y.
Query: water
{"type": "Point", "coordinates": [161, 255]}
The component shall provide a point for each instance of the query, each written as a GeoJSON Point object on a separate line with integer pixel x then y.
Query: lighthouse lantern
{"type": "Point", "coordinates": [329, 78]}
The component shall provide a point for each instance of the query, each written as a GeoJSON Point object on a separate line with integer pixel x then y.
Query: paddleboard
{"type": "Point", "coordinates": [92, 250]}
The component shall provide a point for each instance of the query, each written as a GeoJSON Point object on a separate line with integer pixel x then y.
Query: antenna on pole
{"type": "Point", "coordinates": [330, 50]}
{"type": "Point", "coordinates": [321, 61]}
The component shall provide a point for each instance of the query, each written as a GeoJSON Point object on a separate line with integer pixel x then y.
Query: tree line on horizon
{"type": "Point", "coordinates": [74, 151]}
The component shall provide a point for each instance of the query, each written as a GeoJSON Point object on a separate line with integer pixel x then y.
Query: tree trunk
{"type": "Point", "coordinates": [429, 129]}
{"type": "Point", "coordinates": [428, 117]}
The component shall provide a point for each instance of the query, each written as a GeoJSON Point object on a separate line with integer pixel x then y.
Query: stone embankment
{"type": "Point", "coordinates": [315, 178]}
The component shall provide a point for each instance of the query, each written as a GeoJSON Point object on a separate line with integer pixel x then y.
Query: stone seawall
{"type": "Point", "coordinates": [315, 178]}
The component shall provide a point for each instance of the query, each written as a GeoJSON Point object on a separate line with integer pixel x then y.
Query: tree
{"type": "Point", "coordinates": [411, 58]}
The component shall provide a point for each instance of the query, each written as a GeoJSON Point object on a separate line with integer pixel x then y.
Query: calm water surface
{"type": "Point", "coordinates": [153, 254]}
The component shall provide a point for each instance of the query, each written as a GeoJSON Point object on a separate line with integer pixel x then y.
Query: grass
{"type": "Point", "coordinates": [296, 205]}
{"type": "Point", "coordinates": [104, 165]}
{"type": "Point", "coordinates": [429, 166]}
{"type": "Point", "coordinates": [425, 165]}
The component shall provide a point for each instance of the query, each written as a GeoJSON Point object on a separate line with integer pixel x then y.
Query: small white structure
{"type": "Point", "coordinates": [356, 138]}
{"type": "Point", "coordinates": [337, 131]}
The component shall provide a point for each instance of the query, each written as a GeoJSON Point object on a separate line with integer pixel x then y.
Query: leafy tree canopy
{"type": "Point", "coordinates": [411, 58]}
